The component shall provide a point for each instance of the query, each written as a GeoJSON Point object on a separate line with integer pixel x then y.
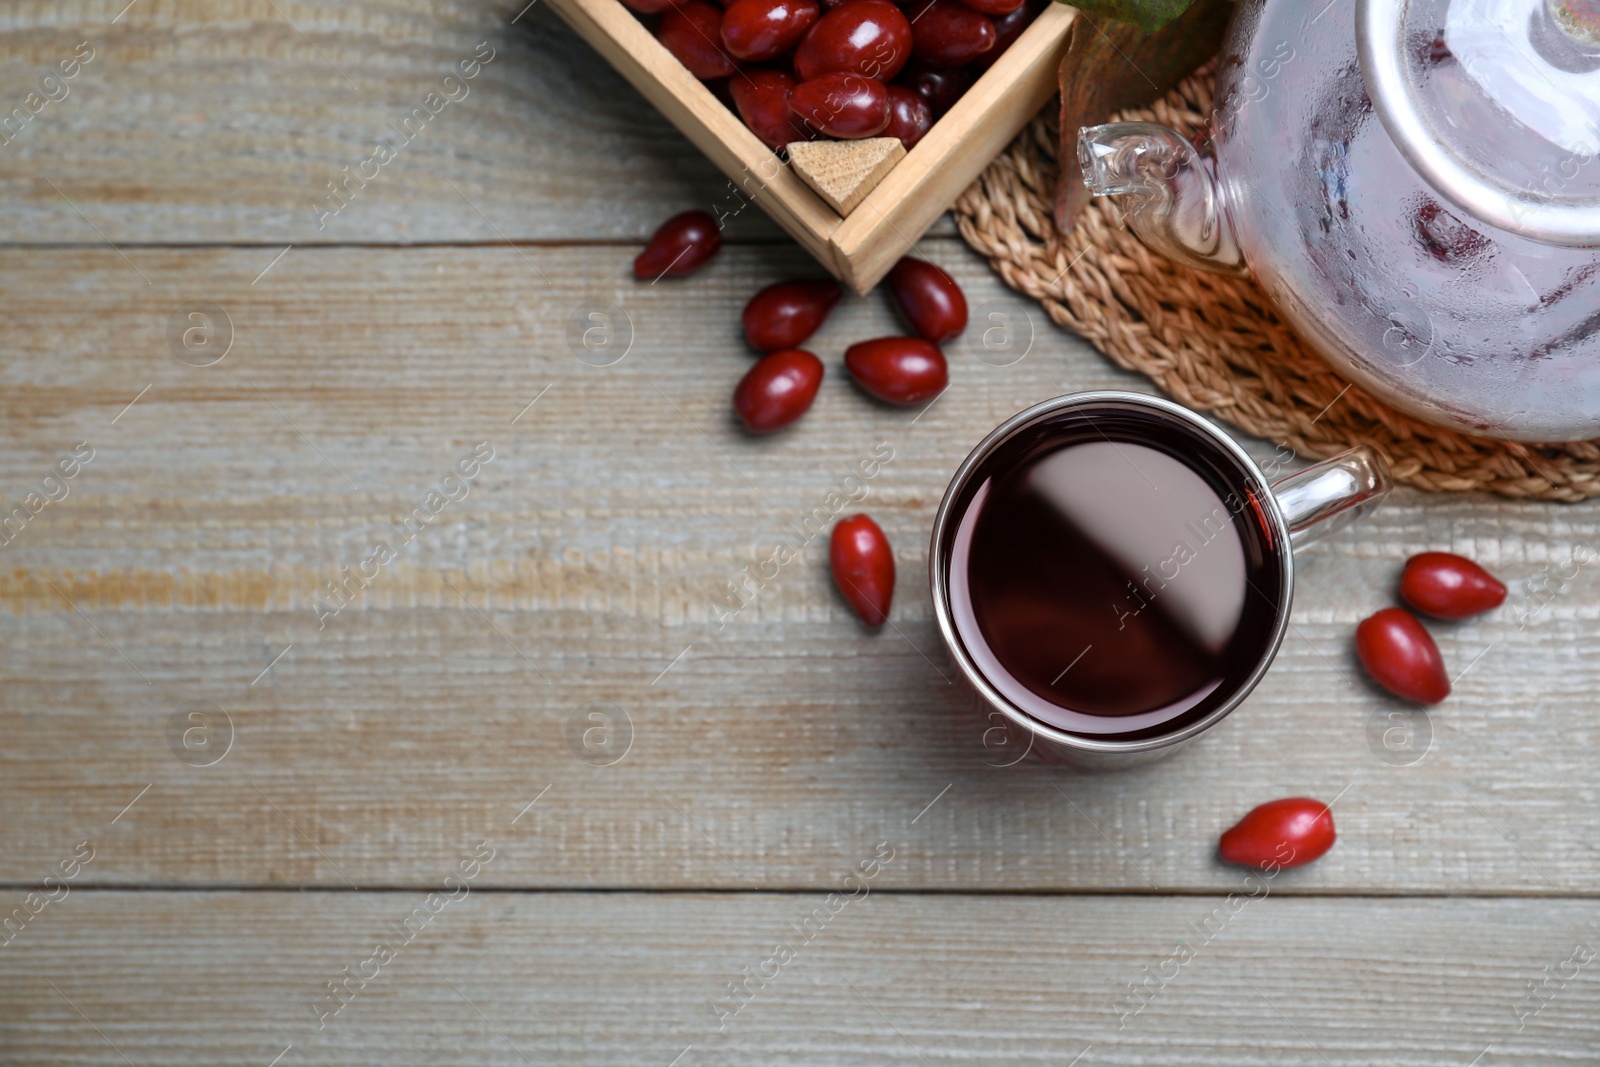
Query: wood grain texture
{"type": "Point", "coordinates": [592, 561]}
{"type": "Point", "coordinates": [224, 120]}
{"type": "Point", "coordinates": [844, 172]}
{"type": "Point", "coordinates": [170, 699]}
{"type": "Point", "coordinates": [502, 979]}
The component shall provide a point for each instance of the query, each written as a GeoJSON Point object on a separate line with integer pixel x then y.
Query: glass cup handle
{"type": "Point", "coordinates": [1328, 496]}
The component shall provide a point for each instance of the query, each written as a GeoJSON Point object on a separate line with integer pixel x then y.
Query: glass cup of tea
{"type": "Point", "coordinates": [1113, 575]}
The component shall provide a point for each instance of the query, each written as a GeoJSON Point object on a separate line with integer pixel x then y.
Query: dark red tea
{"type": "Point", "coordinates": [1112, 574]}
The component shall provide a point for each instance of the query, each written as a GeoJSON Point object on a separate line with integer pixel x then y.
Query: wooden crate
{"type": "Point", "coordinates": [858, 248]}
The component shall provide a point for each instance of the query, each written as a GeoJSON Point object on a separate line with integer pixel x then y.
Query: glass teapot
{"type": "Point", "coordinates": [1416, 185]}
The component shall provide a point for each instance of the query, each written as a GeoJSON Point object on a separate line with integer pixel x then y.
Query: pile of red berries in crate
{"type": "Point", "coordinates": [796, 70]}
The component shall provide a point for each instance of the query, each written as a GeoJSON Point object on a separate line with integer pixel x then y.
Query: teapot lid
{"type": "Point", "coordinates": [1496, 103]}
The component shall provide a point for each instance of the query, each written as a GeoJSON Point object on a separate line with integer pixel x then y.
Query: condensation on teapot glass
{"type": "Point", "coordinates": [1546, 81]}
{"type": "Point", "coordinates": [1389, 274]}
{"type": "Point", "coordinates": [1496, 104]}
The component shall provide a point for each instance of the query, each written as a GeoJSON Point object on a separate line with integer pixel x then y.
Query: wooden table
{"type": "Point", "coordinates": [240, 794]}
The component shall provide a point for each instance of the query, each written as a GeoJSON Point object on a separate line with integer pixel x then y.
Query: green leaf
{"type": "Point", "coordinates": [1148, 15]}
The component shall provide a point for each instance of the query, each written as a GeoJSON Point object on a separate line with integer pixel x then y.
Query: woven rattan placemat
{"type": "Point", "coordinates": [1214, 343]}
